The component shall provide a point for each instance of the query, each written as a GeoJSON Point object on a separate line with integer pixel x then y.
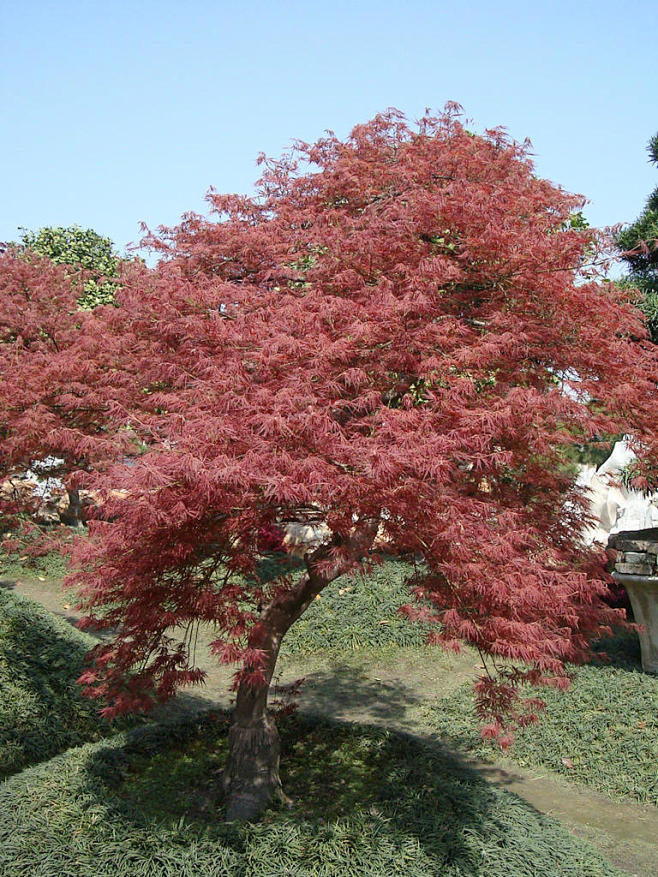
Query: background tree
{"type": "Point", "coordinates": [640, 245]}
{"type": "Point", "coordinates": [89, 271]}
{"type": "Point", "coordinates": [396, 336]}
{"type": "Point", "coordinates": [82, 248]}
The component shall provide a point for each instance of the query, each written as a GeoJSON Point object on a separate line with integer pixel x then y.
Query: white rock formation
{"type": "Point", "coordinates": [616, 507]}
{"type": "Point", "coordinates": [301, 538]}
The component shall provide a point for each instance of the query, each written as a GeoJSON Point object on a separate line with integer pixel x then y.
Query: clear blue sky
{"type": "Point", "coordinates": [119, 111]}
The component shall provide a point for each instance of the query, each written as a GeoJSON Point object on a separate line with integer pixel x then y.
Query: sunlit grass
{"type": "Point", "coordinates": [602, 731]}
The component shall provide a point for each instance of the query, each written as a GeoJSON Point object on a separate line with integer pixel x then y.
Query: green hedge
{"type": "Point", "coordinates": [41, 709]}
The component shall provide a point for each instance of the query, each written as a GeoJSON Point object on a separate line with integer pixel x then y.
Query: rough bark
{"type": "Point", "coordinates": [251, 774]}
{"type": "Point", "coordinates": [73, 514]}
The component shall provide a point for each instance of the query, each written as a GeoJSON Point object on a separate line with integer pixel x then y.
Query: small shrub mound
{"type": "Point", "coordinates": [41, 709]}
{"type": "Point", "coordinates": [367, 802]}
{"type": "Point", "coordinates": [356, 611]}
{"type": "Point", "coordinates": [602, 731]}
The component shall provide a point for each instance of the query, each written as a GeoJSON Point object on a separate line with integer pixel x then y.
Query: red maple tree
{"type": "Point", "coordinates": [398, 335]}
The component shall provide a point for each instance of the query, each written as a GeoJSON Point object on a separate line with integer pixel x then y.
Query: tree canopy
{"type": "Point", "coordinates": [397, 336]}
{"type": "Point", "coordinates": [639, 241]}
{"type": "Point", "coordinates": [81, 248]}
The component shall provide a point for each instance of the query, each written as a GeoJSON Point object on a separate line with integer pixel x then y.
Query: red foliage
{"type": "Point", "coordinates": [400, 328]}
{"type": "Point", "coordinates": [270, 538]}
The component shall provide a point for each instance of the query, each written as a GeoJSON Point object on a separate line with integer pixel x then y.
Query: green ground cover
{"type": "Point", "coordinates": [48, 566]}
{"type": "Point", "coordinates": [602, 731]}
{"type": "Point", "coordinates": [367, 802]}
{"type": "Point", "coordinates": [41, 709]}
{"type": "Point", "coordinates": [359, 611]}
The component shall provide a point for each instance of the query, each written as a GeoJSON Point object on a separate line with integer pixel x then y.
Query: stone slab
{"type": "Point", "coordinates": [635, 569]}
{"type": "Point", "coordinates": [635, 540]}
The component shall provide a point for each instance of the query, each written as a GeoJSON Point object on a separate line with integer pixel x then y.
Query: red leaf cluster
{"type": "Point", "coordinates": [400, 328]}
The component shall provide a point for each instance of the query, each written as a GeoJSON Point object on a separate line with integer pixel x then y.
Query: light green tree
{"type": "Point", "coordinates": [82, 248]}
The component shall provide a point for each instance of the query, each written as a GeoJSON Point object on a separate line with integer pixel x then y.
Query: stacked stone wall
{"type": "Point", "coordinates": [636, 568]}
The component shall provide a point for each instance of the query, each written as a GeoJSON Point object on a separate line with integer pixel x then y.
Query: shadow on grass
{"type": "Point", "coordinates": [378, 784]}
{"type": "Point", "coordinates": [621, 650]}
{"type": "Point", "coordinates": [345, 691]}
{"type": "Point", "coordinates": [342, 691]}
{"type": "Point", "coordinates": [366, 801]}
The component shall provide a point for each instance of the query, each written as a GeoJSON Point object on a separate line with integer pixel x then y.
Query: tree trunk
{"type": "Point", "coordinates": [73, 514]}
{"type": "Point", "coordinates": [251, 774]}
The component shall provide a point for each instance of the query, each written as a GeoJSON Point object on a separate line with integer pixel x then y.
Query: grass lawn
{"type": "Point", "coordinates": [601, 732]}
{"type": "Point", "coordinates": [357, 612]}
{"type": "Point", "coordinates": [46, 566]}
{"type": "Point", "coordinates": [366, 802]}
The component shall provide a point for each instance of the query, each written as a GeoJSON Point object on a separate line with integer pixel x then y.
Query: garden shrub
{"type": "Point", "coordinates": [42, 711]}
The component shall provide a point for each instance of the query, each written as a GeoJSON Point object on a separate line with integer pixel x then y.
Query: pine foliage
{"type": "Point", "coordinates": [639, 243]}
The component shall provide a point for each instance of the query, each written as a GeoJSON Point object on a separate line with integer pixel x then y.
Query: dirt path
{"type": "Point", "coordinates": [387, 689]}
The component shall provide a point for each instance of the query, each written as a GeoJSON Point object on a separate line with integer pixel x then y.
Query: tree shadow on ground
{"type": "Point", "coordinates": [346, 692]}
{"type": "Point", "coordinates": [366, 800]}
{"type": "Point", "coordinates": [621, 650]}
{"type": "Point", "coordinates": [342, 691]}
